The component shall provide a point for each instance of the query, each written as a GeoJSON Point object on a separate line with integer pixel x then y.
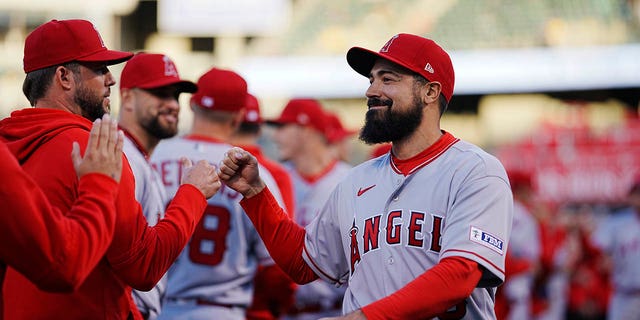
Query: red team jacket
{"type": "Point", "coordinates": [137, 256]}
{"type": "Point", "coordinates": [31, 229]}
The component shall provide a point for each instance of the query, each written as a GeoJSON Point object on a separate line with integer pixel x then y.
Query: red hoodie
{"type": "Point", "coordinates": [138, 255]}
{"type": "Point", "coordinates": [30, 224]}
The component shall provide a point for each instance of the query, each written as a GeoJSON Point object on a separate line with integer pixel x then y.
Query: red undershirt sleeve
{"type": "Point", "coordinates": [282, 236]}
{"type": "Point", "coordinates": [431, 294]}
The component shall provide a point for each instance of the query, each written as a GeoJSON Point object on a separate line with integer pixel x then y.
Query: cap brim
{"type": "Point", "coordinates": [275, 123]}
{"type": "Point", "coordinates": [182, 85]}
{"type": "Point", "coordinates": [109, 56]}
{"type": "Point", "coordinates": [362, 60]}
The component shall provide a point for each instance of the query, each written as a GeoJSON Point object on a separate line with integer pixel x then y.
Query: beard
{"type": "Point", "coordinates": [91, 104]}
{"type": "Point", "coordinates": [388, 125]}
{"type": "Point", "coordinates": [156, 129]}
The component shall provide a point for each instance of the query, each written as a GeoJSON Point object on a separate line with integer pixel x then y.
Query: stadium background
{"type": "Point", "coordinates": [551, 87]}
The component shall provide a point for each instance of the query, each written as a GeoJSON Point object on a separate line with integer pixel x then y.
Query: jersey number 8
{"type": "Point", "coordinates": [209, 240]}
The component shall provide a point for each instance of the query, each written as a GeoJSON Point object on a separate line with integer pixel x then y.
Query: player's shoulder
{"type": "Point", "coordinates": [472, 155]}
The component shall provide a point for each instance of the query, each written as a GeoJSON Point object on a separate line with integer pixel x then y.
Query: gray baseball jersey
{"type": "Point", "coordinates": [152, 197]}
{"type": "Point", "coordinates": [380, 228]}
{"type": "Point", "coordinates": [310, 197]}
{"type": "Point", "coordinates": [619, 236]}
{"type": "Point", "coordinates": [216, 269]}
{"type": "Point", "coordinates": [524, 243]}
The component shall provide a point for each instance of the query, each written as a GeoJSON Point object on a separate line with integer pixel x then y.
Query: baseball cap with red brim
{"type": "Point", "coordinates": [418, 54]}
{"type": "Point", "coordinates": [336, 132]}
{"type": "Point", "coordinates": [61, 41]}
{"type": "Point", "coordinates": [153, 70]}
{"type": "Point", "coordinates": [304, 112]}
{"type": "Point", "coordinates": [252, 110]}
{"type": "Point", "coordinates": [221, 90]}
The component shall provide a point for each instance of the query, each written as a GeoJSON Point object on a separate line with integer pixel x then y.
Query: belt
{"type": "Point", "coordinates": [203, 302]}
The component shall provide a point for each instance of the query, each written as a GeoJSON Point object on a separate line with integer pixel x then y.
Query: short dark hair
{"type": "Point", "coordinates": [249, 128]}
{"type": "Point", "coordinates": [422, 81]}
{"type": "Point", "coordinates": [37, 82]}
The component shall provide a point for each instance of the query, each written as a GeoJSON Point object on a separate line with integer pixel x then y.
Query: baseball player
{"type": "Point", "coordinates": [302, 136]}
{"type": "Point", "coordinates": [149, 90]}
{"type": "Point", "coordinates": [273, 289]}
{"type": "Point", "coordinates": [214, 274]}
{"type": "Point", "coordinates": [619, 237]}
{"type": "Point", "coordinates": [514, 297]}
{"type": "Point", "coordinates": [68, 83]}
{"type": "Point", "coordinates": [30, 224]}
{"type": "Point", "coordinates": [338, 136]}
{"type": "Point", "coordinates": [417, 233]}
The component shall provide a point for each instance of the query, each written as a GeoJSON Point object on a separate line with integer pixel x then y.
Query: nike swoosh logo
{"type": "Point", "coordinates": [362, 191]}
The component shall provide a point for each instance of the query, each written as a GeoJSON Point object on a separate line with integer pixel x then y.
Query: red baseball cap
{"type": "Point", "coordinates": [222, 90]}
{"type": "Point", "coordinates": [153, 70]}
{"type": "Point", "coordinates": [418, 54]}
{"type": "Point", "coordinates": [61, 41]}
{"type": "Point", "coordinates": [252, 110]}
{"type": "Point", "coordinates": [304, 112]}
{"type": "Point", "coordinates": [336, 132]}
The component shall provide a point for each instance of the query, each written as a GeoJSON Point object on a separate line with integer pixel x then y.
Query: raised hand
{"type": "Point", "coordinates": [104, 150]}
{"type": "Point", "coordinates": [202, 175]}
{"type": "Point", "coordinates": [239, 171]}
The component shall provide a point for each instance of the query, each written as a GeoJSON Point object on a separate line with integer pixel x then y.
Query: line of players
{"type": "Point", "coordinates": [225, 270]}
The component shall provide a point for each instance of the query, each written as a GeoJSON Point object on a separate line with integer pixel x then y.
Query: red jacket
{"type": "Point", "coordinates": [138, 255]}
{"type": "Point", "coordinates": [31, 228]}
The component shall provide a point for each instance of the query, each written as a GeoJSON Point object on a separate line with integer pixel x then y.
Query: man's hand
{"type": "Point", "coordinates": [239, 171]}
{"type": "Point", "coordinates": [104, 150]}
{"type": "Point", "coordinates": [356, 315]}
{"type": "Point", "coordinates": [202, 175]}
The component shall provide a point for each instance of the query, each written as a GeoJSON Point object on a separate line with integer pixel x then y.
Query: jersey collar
{"type": "Point", "coordinates": [409, 166]}
{"type": "Point", "coordinates": [197, 137]}
{"type": "Point", "coordinates": [136, 143]}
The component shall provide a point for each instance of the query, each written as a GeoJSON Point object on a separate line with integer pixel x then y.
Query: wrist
{"type": "Point", "coordinates": [254, 189]}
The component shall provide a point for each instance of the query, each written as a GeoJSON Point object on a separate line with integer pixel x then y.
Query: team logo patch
{"type": "Point", "coordinates": [486, 239]}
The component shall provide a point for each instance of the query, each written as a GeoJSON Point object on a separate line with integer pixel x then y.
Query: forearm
{"type": "Point", "coordinates": [430, 294]}
{"type": "Point", "coordinates": [282, 236]}
{"type": "Point", "coordinates": [156, 248]}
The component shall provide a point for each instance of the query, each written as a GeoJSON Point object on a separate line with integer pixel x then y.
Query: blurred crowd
{"type": "Point", "coordinates": [565, 260]}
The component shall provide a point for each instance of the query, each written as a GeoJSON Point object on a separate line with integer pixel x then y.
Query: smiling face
{"type": "Point", "coordinates": [156, 110]}
{"type": "Point", "coordinates": [395, 107]}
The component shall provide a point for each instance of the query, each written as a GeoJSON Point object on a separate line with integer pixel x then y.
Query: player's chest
{"type": "Point", "coordinates": [399, 211]}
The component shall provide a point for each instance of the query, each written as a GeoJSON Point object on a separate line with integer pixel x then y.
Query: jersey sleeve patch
{"type": "Point", "coordinates": [486, 239]}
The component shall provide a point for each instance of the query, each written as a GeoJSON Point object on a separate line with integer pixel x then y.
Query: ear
{"type": "Point", "coordinates": [238, 118]}
{"type": "Point", "coordinates": [127, 97]}
{"type": "Point", "coordinates": [431, 92]}
{"type": "Point", "coordinates": [65, 77]}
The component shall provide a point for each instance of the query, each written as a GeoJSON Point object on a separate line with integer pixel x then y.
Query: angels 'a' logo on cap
{"type": "Point", "coordinates": [169, 68]}
{"type": "Point", "coordinates": [99, 36]}
{"type": "Point", "coordinates": [429, 68]}
{"type": "Point", "coordinates": [386, 46]}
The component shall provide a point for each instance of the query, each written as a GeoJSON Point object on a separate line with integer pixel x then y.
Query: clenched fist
{"type": "Point", "coordinates": [202, 175]}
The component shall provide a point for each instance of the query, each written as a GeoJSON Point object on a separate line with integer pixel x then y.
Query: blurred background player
{"type": "Point", "coordinates": [68, 88]}
{"type": "Point", "coordinates": [273, 292]}
{"type": "Point", "coordinates": [149, 90]}
{"type": "Point", "coordinates": [339, 137]}
{"type": "Point", "coordinates": [619, 237]}
{"type": "Point", "coordinates": [514, 297]}
{"type": "Point", "coordinates": [213, 277]}
{"type": "Point", "coordinates": [301, 136]}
